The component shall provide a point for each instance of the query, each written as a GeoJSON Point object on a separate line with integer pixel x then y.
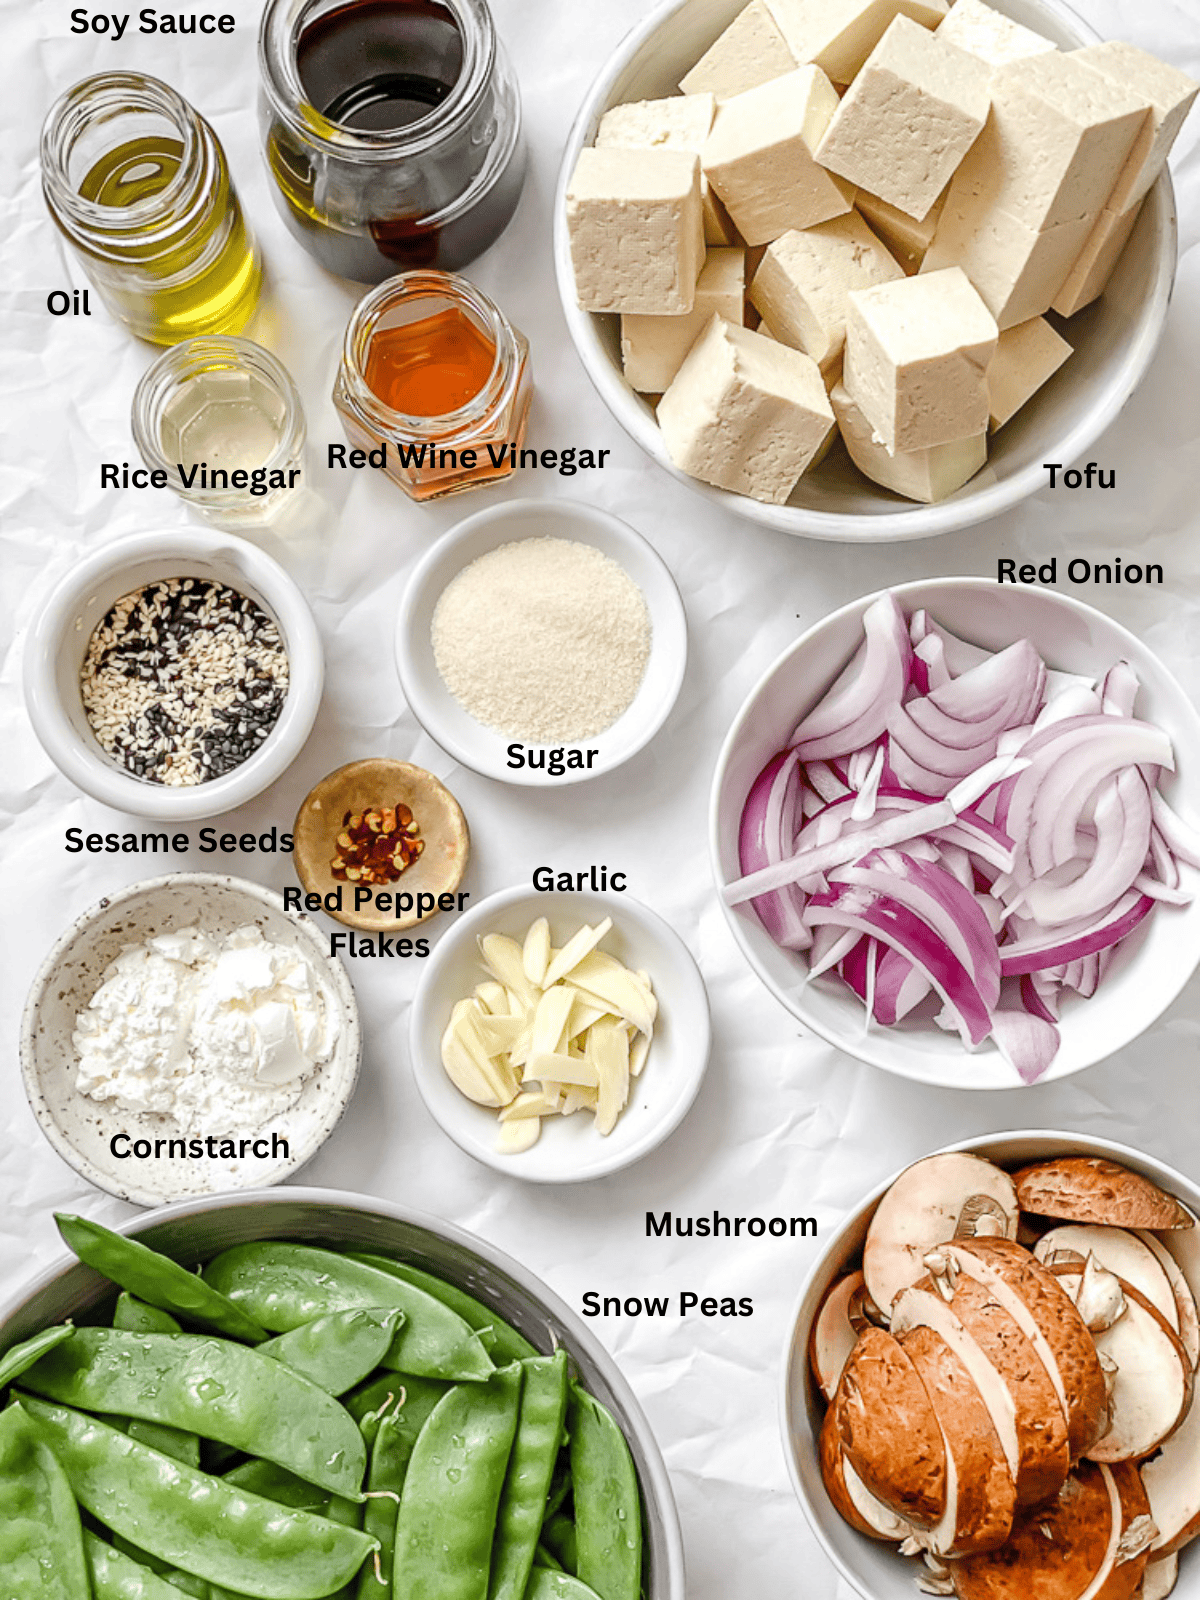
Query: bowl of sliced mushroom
{"type": "Point", "coordinates": [988, 1386]}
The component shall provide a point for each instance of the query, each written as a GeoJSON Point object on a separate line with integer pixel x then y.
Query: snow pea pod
{"type": "Point", "coordinates": [41, 1539]}
{"type": "Point", "coordinates": [452, 1491]}
{"type": "Point", "coordinates": [156, 1279]}
{"type": "Point", "coordinates": [198, 1523]}
{"type": "Point", "coordinates": [558, 1536]}
{"type": "Point", "coordinates": [22, 1356]}
{"type": "Point", "coordinates": [211, 1387]}
{"type": "Point", "coordinates": [544, 1558]}
{"type": "Point", "coordinates": [546, 1584]}
{"type": "Point", "coordinates": [339, 1350]}
{"type": "Point", "coordinates": [608, 1516]}
{"type": "Point", "coordinates": [396, 1435]}
{"type": "Point", "coordinates": [285, 1285]}
{"type": "Point", "coordinates": [370, 1403]}
{"type": "Point", "coordinates": [277, 1483]}
{"type": "Point", "coordinates": [116, 1576]}
{"type": "Point", "coordinates": [506, 1343]}
{"type": "Point", "coordinates": [135, 1316]}
{"type": "Point", "coordinates": [530, 1471]}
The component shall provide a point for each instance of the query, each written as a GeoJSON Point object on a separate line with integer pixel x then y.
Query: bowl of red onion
{"type": "Point", "coordinates": [956, 832]}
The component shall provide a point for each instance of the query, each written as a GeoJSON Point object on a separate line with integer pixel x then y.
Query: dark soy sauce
{"type": "Point", "coordinates": [380, 67]}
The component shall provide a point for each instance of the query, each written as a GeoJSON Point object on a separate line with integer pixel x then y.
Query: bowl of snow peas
{"type": "Point", "coordinates": [300, 1395]}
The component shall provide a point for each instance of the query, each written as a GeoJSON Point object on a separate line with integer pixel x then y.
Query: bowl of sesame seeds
{"type": "Point", "coordinates": [174, 676]}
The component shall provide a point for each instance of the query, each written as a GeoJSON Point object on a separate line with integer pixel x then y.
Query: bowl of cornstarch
{"type": "Point", "coordinates": [174, 676]}
{"type": "Point", "coordinates": [186, 1036]}
{"type": "Point", "coordinates": [541, 642]}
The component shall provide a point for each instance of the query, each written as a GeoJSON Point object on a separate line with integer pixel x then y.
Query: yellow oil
{"type": "Point", "coordinates": [204, 277]}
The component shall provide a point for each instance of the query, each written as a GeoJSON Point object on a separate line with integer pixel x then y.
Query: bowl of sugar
{"type": "Point", "coordinates": [541, 642]}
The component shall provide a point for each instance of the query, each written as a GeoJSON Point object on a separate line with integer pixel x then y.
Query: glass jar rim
{"type": "Point", "coordinates": [427, 283]}
{"type": "Point", "coordinates": [79, 105]}
{"type": "Point", "coordinates": [279, 36]}
{"type": "Point", "coordinates": [171, 370]}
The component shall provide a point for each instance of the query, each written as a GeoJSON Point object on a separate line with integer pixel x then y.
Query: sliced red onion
{"type": "Point", "coordinates": [1122, 840]}
{"type": "Point", "coordinates": [765, 836]}
{"type": "Point", "coordinates": [879, 917]}
{"type": "Point", "coordinates": [1119, 690]}
{"type": "Point", "coordinates": [830, 947]}
{"type": "Point", "coordinates": [931, 653]}
{"type": "Point", "coordinates": [1034, 1000]}
{"type": "Point", "coordinates": [1050, 948]}
{"type": "Point", "coordinates": [1157, 890]}
{"type": "Point", "coordinates": [1180, 837]}
{"type": "Point", "coordinates": [943, 905]}
{"type": "Point", "coordinates": [856, 711]}
{"type": "Point", "coordinates": [1027, 1041]}
{"type": "Point", "coordinates": [899, 987]}
{"type": "Point", "coordinates": [863, 808]}
{"type": "Point", "coordinates": [822, 778]}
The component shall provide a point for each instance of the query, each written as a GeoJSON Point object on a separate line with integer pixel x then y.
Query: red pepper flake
{"type": "Point", "coordinates": [376, 846]}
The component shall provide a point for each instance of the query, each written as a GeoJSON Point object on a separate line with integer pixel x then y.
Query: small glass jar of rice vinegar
{"type": "Point", "coordinates": [138, 184]}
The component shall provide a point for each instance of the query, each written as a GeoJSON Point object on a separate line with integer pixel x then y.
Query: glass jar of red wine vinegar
{"type": "Point", "coordinates": [393, 131]}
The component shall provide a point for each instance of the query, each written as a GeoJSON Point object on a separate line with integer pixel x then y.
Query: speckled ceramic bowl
{"type": "Point", "coordinates": [82, 1130]}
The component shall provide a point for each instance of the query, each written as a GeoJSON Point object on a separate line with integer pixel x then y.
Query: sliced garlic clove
{"type": "Point", "coordinates": [560, 1069]}
{"type": "Point", "coordinates": [550, 1020]}
{"type": "Point", "coordinates": [608, 1050]}
{"type": "Point", "coordinates": [519, 1136]}
{"type": "Point", "coordinates": [502, 958]}
{"type": "Point", "coordinates": [535, 953]}
{"type": "Point", "coordinates": [575, 949]}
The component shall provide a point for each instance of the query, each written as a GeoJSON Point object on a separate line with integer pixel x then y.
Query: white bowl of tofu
{"type": "Point", "coordinates": [959, 1245]}
{"type": "Point", "coordinates": [753, 203]}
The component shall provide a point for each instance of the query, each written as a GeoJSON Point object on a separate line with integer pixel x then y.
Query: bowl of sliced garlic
{"type": "Point", "coordinates": [560, 1036]}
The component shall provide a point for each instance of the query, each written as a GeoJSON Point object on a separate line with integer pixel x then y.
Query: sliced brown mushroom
{"type": "Point", "coordinates": [1121, 1252]}
{"type": "Point", "coordinates": [1152, 1384]}
{"type": "Point", "coordinates": [1178, 1254]}
{"type": "Point", "coordinates": [1089, 1189]}
{"type": "Point", "coordinates": [981, 1496]}
{"type": "Point", "coordinates": [1046, 1316]}
{"type": "Point", "coordinates": [1158, 1579]}
{"type": "Point", "coordinates": [835, 1331]}
{"type": "Point", "coordinates": [1069, 1549]}
{"type": "Point", "coordinates": [1015, 1386]}
{"type": "Point", "coordinates": [851, 1498]}
{"type": "Point", "coordinates": [889, 1430]}
{"type": "Point", "coordinates": [952, 1196]}
{"type": "Point", "coordinates": [1172, 1481]}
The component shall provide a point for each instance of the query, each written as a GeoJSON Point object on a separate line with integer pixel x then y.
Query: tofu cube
{"type": "Point", "coordinates": [990, 35]}
{"type": "Point", "coordinates": [759, 157]}
{"type": "Point", "coordinates": [745, 413]}
{"type": "Point", "coordinates": [653, 348]}
{"type": "Point", "coordinates": [750, 51]}
{"type": "Point", "coordinates": [905, 237]}
{"type": "Point", "coordinates": [1017, 270]}
{"type": "Point", "coordinates": [839, 35]}
{"type": "Point", "coordinates": [1057, 139]}
{"type": "Point", "coordinates": [801, 287]}
{"type": "Point", "coordinates": [1026, 357]}
{"type": "Point", "coordinates": [681, 122]}
{"type": "Point", "coordinates": [637, 239]}
{"type": "Point", "coordinates": [1167, 92]}
{"type": "Point", "coordinates": [909, 118]}
{"type": "Point", "coordinates": [917, 352]}
{"type": "Point", "coordinates": [1088, 278]}
{"type": "Point", "coordinates": [927, 475]}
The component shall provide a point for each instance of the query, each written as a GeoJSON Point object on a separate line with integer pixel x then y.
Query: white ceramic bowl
{"type": "Point", "coordinates": [196, 1231]}
{"type": "Point", "coordinates": [62, 630]}
{"type": "Point", "coordinates": [1114, 339]}
{"type": "Point", "coordinates": [569, 1149]}
{"type": "Point", "coordinates": [446, 720]}
{"type": "Point", "coordinates": [81, 1129]}
{"type": "Point", "coordinates": [1151, 967]}
{"type": "Point", "coordinates": [871, 1568]}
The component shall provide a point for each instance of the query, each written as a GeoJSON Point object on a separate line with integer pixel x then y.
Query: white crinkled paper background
{"type": "Point", "coordinates": [783, 1124]}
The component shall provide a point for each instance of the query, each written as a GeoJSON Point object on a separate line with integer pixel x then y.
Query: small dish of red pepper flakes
{"type": "Point", "coordinates": [376, 845]}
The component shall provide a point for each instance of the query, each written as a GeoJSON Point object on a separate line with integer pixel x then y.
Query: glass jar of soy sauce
{"type": "Point", "coordinates": [393, 131]}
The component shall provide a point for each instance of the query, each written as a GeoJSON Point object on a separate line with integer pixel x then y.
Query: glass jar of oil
{"type": "Point", "coordinates": [137, 182]}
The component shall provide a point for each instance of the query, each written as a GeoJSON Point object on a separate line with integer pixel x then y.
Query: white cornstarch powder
{"type": "Point", "coordinates": [544, 640]}
{"type": "Point", "coordinates": [217, 1032]}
